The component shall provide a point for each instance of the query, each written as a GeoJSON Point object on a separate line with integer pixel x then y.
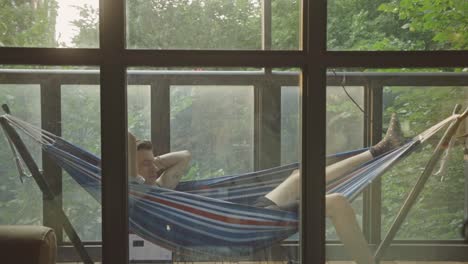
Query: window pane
{"type": "Point", "coordinates": [214, 25]}
{"type": "Point", "coordinates": [345, 132]}
{"type": "Point", "coordinates": [345, 121]}
{"type": "Point", "coordinates": [285, 24]}
{"type": "Point", "coordinates": [139, 109]}
{"type": "Point", "coordinates": [397, 25]}
{"type": "Point", "coordinates": [209, 128]}
{"type": "Point", "coordinates": [216, 123]}
{"type": "Point", "coordinates": [439, 212]}
{"type": "Point", "coordinates": [407, 109]}
{"type": "Point", "coordinates": [54, 24]}
{"type": "Point", "coordinates": [290, 124]}
{"type": "Point", "coordinates": [81, 126]}
{"type": "Point", "coordinates": [20, 198]}
{"type": "Point", "coordinates": [56, 112]}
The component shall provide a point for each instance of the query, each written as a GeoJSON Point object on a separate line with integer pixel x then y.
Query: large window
{"type": "Point", "coordinates": [243, 87]}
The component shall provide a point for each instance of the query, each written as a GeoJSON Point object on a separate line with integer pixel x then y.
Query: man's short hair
{"type": "Point", "coordinates": [144, 145]}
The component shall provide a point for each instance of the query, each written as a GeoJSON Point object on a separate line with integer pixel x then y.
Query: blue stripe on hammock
{"type": "Point", "coordinates": [197, 220]}
{"type": "Point", "coordinates": [192, 220]}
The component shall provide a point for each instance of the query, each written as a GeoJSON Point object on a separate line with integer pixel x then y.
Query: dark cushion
{"type": "Point", "coordinates": [27, 244]}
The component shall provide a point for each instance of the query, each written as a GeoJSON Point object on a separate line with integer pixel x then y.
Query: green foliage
{"type": "Point", "coordinates": [87, 23]}
{"type": "Point", "coordinates": [421, 107]}
{"type": "Point", "coordinates": [285, 24]}
{"type": "Point", "coordinates": [24, 24]}
{"type": "Point", "coordinates": [198, 24]}
{"type": "Point", "coordinates": [446, 21]}
{"type": "Point", "coordinates": [438, 212]}
{"type": "Point", "coordinates": [360, 25]}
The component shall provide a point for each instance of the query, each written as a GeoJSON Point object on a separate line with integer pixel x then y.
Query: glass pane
{"type": "Point", "coordinates": [53, 23]}
{"type": "Point", "coordinates": [213, 191]}
{"type": "Point", "coordinates": [20, 197]}
{"type": "Point", "coordinates": [216, 123]}
{"type": "Point", "coordinates": [412, 109]}
{"type": "Point", "coordinates": [397, 25]}
{"type": "Point", "coordinates": [214, 25]}
{"type": "Point", "coordinates": [285, 24]}
{"type": "Point", "coordinates": [345, 132]}
{"type": "Point", "coordinates": [139, 109]}
{"type": "Point", "coordinates": [290, 124]}
{"type": "Point", "coordinates": [439, 212]}
{"type": "Point", "coordinates": [81, 126]}
{"type": "Point", "coordinates": [56, 110]}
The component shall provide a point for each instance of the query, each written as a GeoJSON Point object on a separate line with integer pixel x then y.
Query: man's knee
{"type": "Point", "coordinates": [187, 154]}
{"type": "Point", "coordinates": [336, 203]}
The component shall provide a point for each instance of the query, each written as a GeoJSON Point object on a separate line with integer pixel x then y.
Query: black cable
{"type": "Point", "coordinates": [346, 91]}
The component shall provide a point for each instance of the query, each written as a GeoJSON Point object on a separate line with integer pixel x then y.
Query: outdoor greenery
{"type": "Point", "coordinates": [216, 122]}
{"type": "Point", "coordinates": [28, 24]}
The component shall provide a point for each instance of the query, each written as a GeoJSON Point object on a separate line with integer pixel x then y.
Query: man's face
{"type": "Point", "coordinates": [145, 166]}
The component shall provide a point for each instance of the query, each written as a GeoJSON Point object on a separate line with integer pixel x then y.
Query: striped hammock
{"type": "Point", "coordinates": [211, 216]}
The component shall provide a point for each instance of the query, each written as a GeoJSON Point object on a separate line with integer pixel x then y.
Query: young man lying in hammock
{"type": "Point", "coordinates": [164, 171]}
{"type": "Point", "coordinates": [167, 170]}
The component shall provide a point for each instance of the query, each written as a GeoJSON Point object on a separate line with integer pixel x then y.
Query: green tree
{"type": "Point", "coordinates": [360, 25]}
{"type": "Point", "coordinates": [198, 24]}
{"type": "Point", "coordinates": [28, 23]}
{"type": "Point", "coordinates": [87, 23]}
{"type": "Point", "coordinates": [446, 21]}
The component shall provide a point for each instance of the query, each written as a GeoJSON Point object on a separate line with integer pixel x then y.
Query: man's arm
{"type": "Point", "coordinates": [173, 166]}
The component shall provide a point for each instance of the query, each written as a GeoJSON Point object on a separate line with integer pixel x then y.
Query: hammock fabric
{"type": "Point", "coordinates": [211, 216]}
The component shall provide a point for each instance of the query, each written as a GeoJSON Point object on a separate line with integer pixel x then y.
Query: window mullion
{"type": "Point", "coordinates": [113, 133]}
{"type": "Point", "coordinates": [51, 121]}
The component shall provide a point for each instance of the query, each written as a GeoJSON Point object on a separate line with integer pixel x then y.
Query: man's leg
{"type": "Point", "coordinates": [288, 191]}
{"type": "Point", "coordinates": [343, 217]}
{"type": "Point", "coordinates": [173, 166]}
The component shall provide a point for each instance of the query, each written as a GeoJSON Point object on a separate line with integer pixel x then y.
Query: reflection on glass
{"type": "Point", "coordinates": [203, 200]}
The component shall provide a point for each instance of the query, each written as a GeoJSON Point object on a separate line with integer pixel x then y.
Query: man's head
{"type": "Point", "coordinates": [145, 161]}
